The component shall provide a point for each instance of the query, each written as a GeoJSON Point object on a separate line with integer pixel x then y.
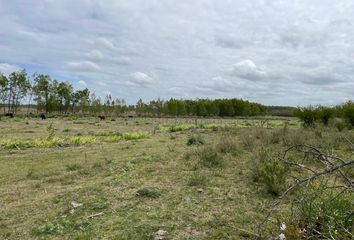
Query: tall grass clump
{"type": "Point", "coordinates": [324, 214]}
{"type": "Point", "coordinates": [181, 127]}
{"type": "Point", "coordinates": [81, 140]}
{"type": "Point", "coordinates": [15, 144]}
{"type": "Point", "coordinates": [195, 140]}
{"type": "Point", "coordinates": [134, 136]}
{"type": "Point", "coordinates": [112, 139]}
{"type": "Point", "coordinates": [270, 171]}
{"type": "Point", "coordinates": [209, 157]}
{"type": "Point", "coordinates": [228, 145]}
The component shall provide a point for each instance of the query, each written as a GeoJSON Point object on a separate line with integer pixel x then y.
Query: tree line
{"type": "Point", "coordinates": [48, 95]}
{"type": "Point", "coordinates": [311, 115]}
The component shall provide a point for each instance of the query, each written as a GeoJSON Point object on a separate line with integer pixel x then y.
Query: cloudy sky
{"type": "Point", "coordinates": [277, 52]}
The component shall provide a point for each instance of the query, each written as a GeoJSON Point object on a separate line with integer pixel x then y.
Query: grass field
{"type": "Point", "coordinates": [140, 178]}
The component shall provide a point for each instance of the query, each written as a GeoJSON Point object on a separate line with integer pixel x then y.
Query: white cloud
{"type": "Point", "coordinates": [95, 55]}
{"type": "Point", "coordinates": [123, 60]}
{"type": "Point", "coordinates": [247, 69]}
{"type": "Point", "coordinates": [104, 43]}
{"type": "Point", "coordinates": [83, 66]}
{"type": "Point", "coordinates": [6, 68]}
{"type": "Point", "coordinates": [140, 79]}
{"type": "Point", "coordinates": [82, 82]}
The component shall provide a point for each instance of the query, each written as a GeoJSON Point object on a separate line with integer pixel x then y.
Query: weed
{"type": "Point", "coordinates": [149, 192]}
{"type": "Point", "coordinates": [73, 167]}
{"type": "Point", "coordinates": [228, 145]}
{"type": "Point", "coordinates": [270, 171]}
{"type": "Point", "coordinates": [197, 179]}
{"type": "Point", "coordinates": [195, 140]}
{"type": "Point", "coordinates": [181, 127]}
{"type": "Point", "coordinates": [112, 139]}
{"type": "Point", "coordinates": [209, 157]}
{"type": "Point", "coordinates": [134, 136]}
{"type": "Point", "coordinates": [81, 140]}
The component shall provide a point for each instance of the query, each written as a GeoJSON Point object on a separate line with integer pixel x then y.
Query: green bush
{"type": "Point", "coordinates": [181, 127]}
{"type": "Point", "coordinates": [195, 140]}
{"type": "Point", "coordinates": [325, 212]}
{"type": "Point", "coordinates": [15, 144]}
{"type": "Point", "coordinates": [270, 171]}
{"type": "Point", "coordinates": [347, 110]}
{"type": "Point", "coordinates": [197, 179]}
{"type": "Point", "coordinates": [307, 115]}
{"type": "Point", "coordinates": [228, 145]}
{"type": "Point", "coordinates": [324, 114]}
{"type": "Point", "coordinates": [134, 136]}
{"type": "Point", "coordinates": [209, 157]}
{"type": "Point", "coordinates": [148, 192]}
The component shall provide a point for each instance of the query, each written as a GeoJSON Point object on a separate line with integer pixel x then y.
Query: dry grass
{"type": "Point", "coordinates": [210, 195]}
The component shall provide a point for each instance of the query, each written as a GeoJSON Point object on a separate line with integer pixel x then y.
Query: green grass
{"type": "Point", "coordinates": [139, 187]}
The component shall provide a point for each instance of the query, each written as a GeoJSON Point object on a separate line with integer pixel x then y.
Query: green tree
{"type": "Point", "coordinates": [3, 89]}
{"type": "Point", "coordinates": [19, 85]}
{"type": "Point", "coordinates": [41, 89]}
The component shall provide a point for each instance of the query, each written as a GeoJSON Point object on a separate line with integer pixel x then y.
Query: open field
{"type": "Point", "coordinates": [81, 178]}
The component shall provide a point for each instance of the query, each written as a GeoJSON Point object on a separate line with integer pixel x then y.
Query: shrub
{"type": "Point", "coordinates": [324, 114]}
{"type": "Point", "coordinates": [209, 157]}
{"type": "Point", "coordinates": [134, 136]}
{"type": "Point", "coordinates": [197, 179]}
{"type": "Point", "coordinates": [348, 112]}
{"type": "Point", "coordinates": [269, 171]}
{"type": "Point", "coordinates": [307, 115]}
{"type": "Point", "coordinates": [15, 144]}
{"type": "Point", "coordinates": [73, 167]}
{"type": "Point", "coordinates": [81, 140]}
{"type": "Point", "coordinates": [148, 192]}
{"type": "Point", "coordinates": [195, 140]}
{"type": "Point", "coordinates": [181, 127]}
{"type": "Point", "coordinates": [112, 139]}
{"type": "Point", "coordinates": [228, 145]}
{"type": "Point", "coordinates": [340, 125]}
{"type": "Point", "coordinates": [47, 143]}
{"type": "Point", "coordinates": [325, 212]}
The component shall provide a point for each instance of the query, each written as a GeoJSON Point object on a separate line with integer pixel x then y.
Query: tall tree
{"type": "Point", "coordinates": [41, 89]}
{"type": "Point", "coordinates": [19, 85]}
{"type": "Point", "coordinates": [3, 89]}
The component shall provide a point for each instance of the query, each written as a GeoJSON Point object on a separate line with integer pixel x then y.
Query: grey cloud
{"type": "Point", "coordinates": [83, 66]}
{"type": "Point", "coordinates": [271, 51]}
{"type": "Point", "coordinates": [140, 79]}
{"type": "Point", "coordinates": [6, 68]}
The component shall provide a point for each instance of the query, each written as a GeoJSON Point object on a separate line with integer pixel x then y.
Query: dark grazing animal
{"type": "Point", "coordinates": [43, 116]}
{"type": "Point", "coordinates": [101, 117]}
{"type": "Point", "coordinates": [11, 115]}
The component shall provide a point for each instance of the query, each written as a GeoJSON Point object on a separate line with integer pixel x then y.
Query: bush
{"type": "Point", "coordinates": [81, 140]}
{"type": "Point", "coordinates": [195, 140]}
{"type": "Point", "coordinates": [307, 115]}
{"type": "Point", "coordinates": [148, 192]}
{"type": "Point", "coordinates": [228, 145]}
{"type": "Point", "coordinates": [181, 127]}
{"type": "Point", "coordinates": [15, 144]}
{"type": "Point", "coordinates": [209, 157]}
{"type": "Point", "coordinates": [112, 139]}
{"type": "Point", "coordinates": [324, 114]}
{"type": "Point", "coordinates": [340, 125]}
{"type": "Point", "coordinates": [270, 171]}
{"type": "Point", "coordinates": [325, 212]}
{"type": "Point", "coordinates": [134, 136]}
{"type": "Point", "coordinates": [348, 112]}
{"type": "Point", "coordinates": [197, 179]}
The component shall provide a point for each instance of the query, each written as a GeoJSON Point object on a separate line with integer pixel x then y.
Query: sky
{"type": "Point", "coordinates": [276, 52]}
